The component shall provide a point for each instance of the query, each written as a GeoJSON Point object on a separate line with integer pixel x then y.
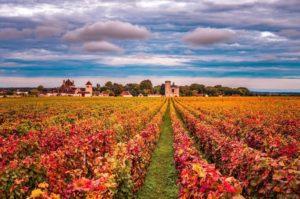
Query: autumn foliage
{"type": "Point", "coordinates": [90, 157]}
{"type": "Point", "coordinates": [261, 174]}
{"type": "Point", "coordinates": [198, 178]}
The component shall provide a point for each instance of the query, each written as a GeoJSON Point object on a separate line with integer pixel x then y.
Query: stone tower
{"type": "Point", "coordinates": [168, 89]}
{"type": "Point", "coordinates": [89, 87]}
{"type": "Point", "coordinates": [171, 90]}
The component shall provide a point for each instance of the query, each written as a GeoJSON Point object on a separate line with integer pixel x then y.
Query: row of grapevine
{"type": "Point", "coordinates": [198, 178]}
{"type": "Point", "coordinates": [39, 142]}
{"type": "Point", "coordinates": [95, 163]}
{"type": "Point", "coordinates": [254, 134]}
{"type": "Point", "coordinates": [271, 115]}
{"type": "Point", "coordinates": [24, 116]}
{"type": "Point", "coordinates": [260, 175]}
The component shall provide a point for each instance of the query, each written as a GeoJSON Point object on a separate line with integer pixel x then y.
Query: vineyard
{"type": "Point", "coordinates": [218, 147]}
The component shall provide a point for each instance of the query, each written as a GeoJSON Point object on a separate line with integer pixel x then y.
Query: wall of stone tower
{"type": "Point", "coordinates": [89, 88]}
{"type": "Point", "coordinates": [168, 91]}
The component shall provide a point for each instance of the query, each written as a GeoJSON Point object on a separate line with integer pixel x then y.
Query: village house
{"type": "Point", "coordinates": [171, 90]}
{"type": "Point", "coordinates": [23, 93]}
{"type": "Point", "coordinates": [126, 94]}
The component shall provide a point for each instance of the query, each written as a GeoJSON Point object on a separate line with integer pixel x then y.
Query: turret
{"type": "Point", "coordinates": [89, 87]}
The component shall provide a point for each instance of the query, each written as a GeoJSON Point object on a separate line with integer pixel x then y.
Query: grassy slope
{"type": "Point", "coordinates": [161, 177]}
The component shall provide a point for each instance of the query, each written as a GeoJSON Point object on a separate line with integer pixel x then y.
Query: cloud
{"type": "Point", "coordinates": [290, 33]}
{"type": "Point", "coordinates": [148, 60]}
{"type": "Point", "coordinates": [40, 31]}
{"type": "Point", "coordinates": [271, 37]}
{"type": "Point", "coordinates": [208, 36]}
{"type": "Point", "coordinates": [13, 33]}
{"type": "Point", "coordinates": [48, 31]}
{"type": "Point", "coordinates": [101, 46]}
{"type": "Point", "coordinates": [107, 30]}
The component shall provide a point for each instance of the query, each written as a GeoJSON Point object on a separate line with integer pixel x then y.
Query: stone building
{"type": "Point", "coordinates": [88, 92]}
{"type": "Point", "coordinates": [171, 90]}
{"type": "Point", "coordinates": [68, 88]}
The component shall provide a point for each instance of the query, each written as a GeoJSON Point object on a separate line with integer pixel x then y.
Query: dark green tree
{"type": "Point", "coordinates": [109, 85]}
{"type": "Point", "coordinates": [40, 88]}
{"type": "Point", "coordinates": [98, 87]}
{"type": "Point", "coordinates": [157, 89]}
{"type": "Point", "coordinates": [146, 87]}
{"type": "Point", "coordinates": [133, 88]}
{"type": "Point", "coordinates": [243, 91]}
{"type": "Point", "coordinates": [117, 89]}
{"type": "Point", "coordinates": [162, 89]}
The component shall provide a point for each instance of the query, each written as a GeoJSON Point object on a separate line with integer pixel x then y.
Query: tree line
{"type": "Point", "coordinates": [146, 87]}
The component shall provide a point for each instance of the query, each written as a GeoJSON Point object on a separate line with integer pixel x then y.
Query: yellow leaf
{"type": "Point", "coordinates": [54, 196]}
{"type": "Point", "coordinates": [201, 173]}
{"type": "Point", "coordinates": [36, 193]}
{"type": "Point", "coordinates": [43, 185]}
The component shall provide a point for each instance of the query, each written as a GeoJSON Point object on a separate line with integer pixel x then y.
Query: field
{"type": "Point", "coordinates": [216, 147]}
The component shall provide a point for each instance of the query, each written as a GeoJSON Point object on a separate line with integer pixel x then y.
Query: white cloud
{"type": "Point", "coordinates": [107, 30]}
{"type": "Point", "coordinates": [207, 36]}
{"type": "Point", "coordinates": [271, 37]}
{"type": "Point", "coordinates": [158, 60]}
{"type": "Point", "coordinates": [101, 46]}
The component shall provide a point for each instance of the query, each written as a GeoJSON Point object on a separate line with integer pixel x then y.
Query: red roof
{"type": "Point", "coordinates": [88, 83]}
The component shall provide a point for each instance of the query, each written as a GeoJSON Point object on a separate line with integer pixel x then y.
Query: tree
{"type": "Point", "coordinates": [185, 91]}
{"type": "Point", "coordinates": [134, 89]}
{"type": "Point", "coordinates": [212, 91]}
{"type": "Point", "coordinates": [109, 85]}
{"type": "Point", "coordinates": [162, 89]}
{"type": "Point", "coordinates": [34, 92]}
{"type": "Point", "coordinates": [157, 89]}
{"type": "Point", "coordinates": [117, 89]}
{"type": "Point", "coordinates": [146, 87]}
{"type": "Point", "coordinates": [197, 87]}
{"type": "Point", "coordinates": [98, 87]}
{"type": "Point", "coordinates": [40, 88]}
{"type": "Point", "coordinates": [243, 91]}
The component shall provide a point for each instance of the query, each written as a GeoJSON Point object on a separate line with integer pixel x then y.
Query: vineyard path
{"type": "Point", "coordinates": [161, 178]}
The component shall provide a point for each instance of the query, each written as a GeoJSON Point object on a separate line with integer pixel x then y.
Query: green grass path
{"type": "Point", "coordinates": [161, 178]}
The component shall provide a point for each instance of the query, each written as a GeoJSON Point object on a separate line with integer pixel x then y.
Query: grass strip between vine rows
{"type": "Point", "coordinates": [161, 177]}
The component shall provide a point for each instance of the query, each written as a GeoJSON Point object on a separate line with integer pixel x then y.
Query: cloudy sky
{"type": "Point", "coordinates": [253, 43]}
